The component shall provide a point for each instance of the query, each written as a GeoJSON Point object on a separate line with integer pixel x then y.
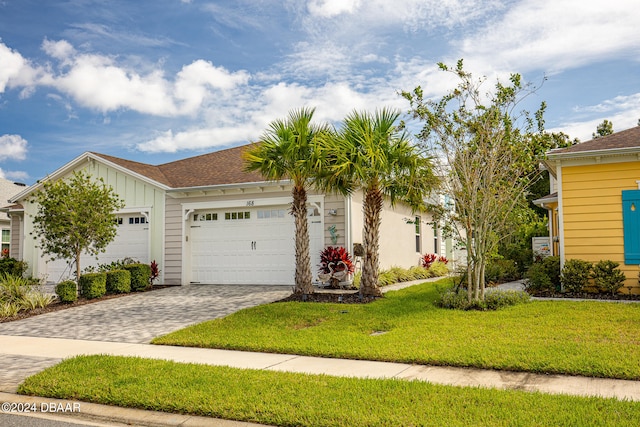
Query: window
{"type": "Point", "coordinates": [205, 217]}
{"type": "Point", "coordinates": [271, 214]}
{"type": "Point", "coordinates": [418, 235]}
{"type": "Point", "coordinates": [5, 242]}
{"type": "Point", "coordinates": [237, 215]}
{"type": "Point", "coordinates": [436, 249]}
{"type": "Point", "coordinates": [137, 220]}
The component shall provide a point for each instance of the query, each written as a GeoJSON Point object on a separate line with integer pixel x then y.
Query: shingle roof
{"type": "Point", "coordinates": [629, 138]}
{"type": "Point", "coordinates": [217, 168]}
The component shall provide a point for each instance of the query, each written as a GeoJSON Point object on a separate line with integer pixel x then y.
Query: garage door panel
{"type": "Point", "coordinates": [132, 241]}
{"type": "Point", "coordinates": [259, 249]}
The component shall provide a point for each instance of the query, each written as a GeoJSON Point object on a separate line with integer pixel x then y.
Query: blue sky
{"type": "Point", "coordinates": [155, 81]}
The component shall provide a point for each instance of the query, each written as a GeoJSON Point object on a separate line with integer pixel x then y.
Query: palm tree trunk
{"type": "Point", "coordinates": [373, 203]}
{"type": "Point", "coordinates": [303, 278]}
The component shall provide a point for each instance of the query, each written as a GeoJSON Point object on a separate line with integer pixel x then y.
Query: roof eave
{"type": "Point", "coordinates": [610, 152]}
{"type": "Point", "coordinates": [85, 157]}
{"type": "Point", "coordinates": [233, 186]}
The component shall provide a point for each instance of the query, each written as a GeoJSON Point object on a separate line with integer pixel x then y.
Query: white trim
{"type": "Point", "coordinates": [560, 215]}
{"type": "Point", "coordinates": [144, 210]}
{"type": "Point", "coordinates": [87, 157]}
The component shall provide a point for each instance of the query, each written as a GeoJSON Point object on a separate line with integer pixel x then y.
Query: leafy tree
{"type": "Point", "coordinates": [371, 153]}
{"type": "Point", "coordinates": [287, 149]}
{"type": "Point", "coordinates": [75, 216]}
{"type": "Point", "coordinates": [605, 128]}
{"type": "Point", "coordinates": [489, 155]}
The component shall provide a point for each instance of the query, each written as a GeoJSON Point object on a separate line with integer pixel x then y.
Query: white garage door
{"type": "Point", "coordinates": [248, 246]}
{"type": "Point", "coordinates": [132, 241]}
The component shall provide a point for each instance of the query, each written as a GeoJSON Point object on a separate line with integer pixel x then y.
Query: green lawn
{"type": "Point", "coordinates": [288, 399]}
{"type": "Point", "coordinates": [583, 338]}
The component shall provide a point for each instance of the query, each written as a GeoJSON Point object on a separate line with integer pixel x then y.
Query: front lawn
{"type": "Point", "coordinates": [288, 399]}
{"type": "Point", "coordinates": [582, 338]}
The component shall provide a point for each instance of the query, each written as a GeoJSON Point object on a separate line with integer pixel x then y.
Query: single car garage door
{"type": "Point", "coordinates": [248, 245]}
{"type": "Point", "coordinates": [132, 241]}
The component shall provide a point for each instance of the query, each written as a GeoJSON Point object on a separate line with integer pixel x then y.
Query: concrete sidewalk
{"type": "Point", "coordinates": [55, 349]}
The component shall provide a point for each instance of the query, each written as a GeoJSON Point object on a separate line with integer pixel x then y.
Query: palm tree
{"type": "Point", "coordinates": [287, 150]}
{"type": "Point", "coordinates": [370, 153]}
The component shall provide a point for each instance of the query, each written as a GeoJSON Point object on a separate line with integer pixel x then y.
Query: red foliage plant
{"type": "Point", "coordinates": [155, 271]}
{"type": "Point", "coordinates": [429, 259]}
{"type": "Point", "coordinates": [333, 255]}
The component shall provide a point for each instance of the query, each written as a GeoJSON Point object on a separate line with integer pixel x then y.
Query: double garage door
{"type": "Point", "coordinates": [248, 245]}
{"type": "Point", "coordinates": [132, 241]}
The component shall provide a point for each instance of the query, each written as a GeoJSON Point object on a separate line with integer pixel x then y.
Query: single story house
{"type": "Point", "coordinates": [204, 219]}
{"type": "Point", "coordinates": [8, 189]}
{"type": "Point", "coordinates": [594, 205]}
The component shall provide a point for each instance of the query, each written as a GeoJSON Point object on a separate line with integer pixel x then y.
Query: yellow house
{"type": "Point", "coordinates": [595, 212]}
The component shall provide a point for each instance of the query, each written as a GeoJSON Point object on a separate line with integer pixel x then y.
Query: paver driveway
{"type": "Point", "coordinates": [138, 318]}
{"type": "Point", "coordinates": [135, 318]}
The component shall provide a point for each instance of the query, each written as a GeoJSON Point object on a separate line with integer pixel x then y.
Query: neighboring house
{"type": "Point", "coordinates": [205, 220]}
{"type": "Point", "coordinates": [595, 211]}
{"type": "Point", "coordinates": [8, 189]}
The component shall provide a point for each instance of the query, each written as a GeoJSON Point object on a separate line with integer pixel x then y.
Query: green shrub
{"type": "Point", "coordinates": [494, 299]}
{"type": "Point", "coordinates": [118, 281]}
{"type": "Point", "coordinates": [575, 275]}
{"type": "Point", "coordinates": [401, 274]}
{"type": "Point", "coordinates": [501, 270]}
{"type": "Point", "coordinates": [356, 280]}
{"type": "Point", "coordinates": [67, 291]}
{"type": "Point", "coordinates": [499, 298]}
{"type": "Point", "coordinates": [93, 285]}
{"type": "Point", "coordinates": [551, 265]}
{"type": "Point", "coordinates": [35, 299]}
{"type": "Point", "coordinates": [12, 266]}
{"type": "Point", "coordinates": [453, 300]}
{"type": "Point", "coordinates": [607, 277]}
{"type": "Point", "coordinates": [438, 269]}
{"type": "Point", "coordinates": [140, 276]}
{"type": "Point", "coordinates": [418, 272]}
{"type": "Point", "coordinates": [537, 279]}
{"type": "Point", "coordinates": [386, 278]}
{"type": "Point", "coordinates": [114, 265]}
{"type": "Point", "coordinates": [9, 309]}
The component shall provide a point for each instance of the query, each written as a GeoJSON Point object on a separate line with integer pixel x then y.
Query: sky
{"type": "Point", "coordinates": [157, 81]}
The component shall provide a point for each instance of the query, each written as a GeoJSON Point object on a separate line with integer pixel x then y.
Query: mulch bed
{"type": "Point", "coordinates": [57, 305]}
{"type": "Point", "coordinates": [341, 298]}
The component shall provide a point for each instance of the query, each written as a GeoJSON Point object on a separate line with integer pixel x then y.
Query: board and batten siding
{"type": "Point", "coordinates": [137, 195]}
{"type": "Point", "coordinates": [592, 212]}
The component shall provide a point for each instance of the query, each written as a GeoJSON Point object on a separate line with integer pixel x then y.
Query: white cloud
{"type": "Point", "coordinates": [99, 82]}
{"type": "Point", "coordinates": [12, 147]}
{"type": "Point", "coordinates": [555, 35]}
{"type": "Point", "coordinates": [246, 120]}
{"type": "Point", "coordinates": [194, 81]}
{"type": "Point", "coordinates": [331, 8]}
{"type": "Point", "coordinates": [622, 111]}
{"type": "Point", "coordinates": [17, 176]}
{"type": "Point", "coordinates": [15, 70]}
{"type": "Point", "coordinates": [61, 49]}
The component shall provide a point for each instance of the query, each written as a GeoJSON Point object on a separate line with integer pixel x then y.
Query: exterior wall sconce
{"type": "Point", "coordinates": [333, 212]}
